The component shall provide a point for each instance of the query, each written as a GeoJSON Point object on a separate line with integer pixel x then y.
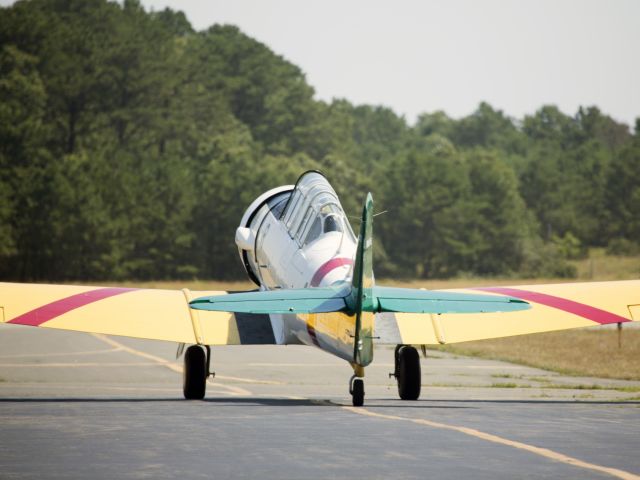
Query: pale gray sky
{"type": "Point", "coordinates": [417, 56]}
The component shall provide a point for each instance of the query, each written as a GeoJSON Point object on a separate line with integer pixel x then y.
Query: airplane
{"type": "Point", "coordinates": [315, 287]}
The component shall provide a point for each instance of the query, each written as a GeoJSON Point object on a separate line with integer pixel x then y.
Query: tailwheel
{"type": "Point", "coordinates": [194, 374]}
{"type": "Point", "coordinates": [357, 391]}
{"type": "Point", "coordinates": [407, 372]}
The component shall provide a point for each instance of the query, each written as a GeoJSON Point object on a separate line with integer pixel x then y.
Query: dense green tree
{"type": "Point", "coordinates": [498, 224]}
{"type": "Point", "coordinates": [435, 123]}
{"type": "Point", "coordinates": [264, 91]}
{"type": "Point", "coordinates": [594, 125]}
{"type": "Point", "coordinates": [564, 180]}
{"type": "Point", "coordinates": [623, 193]}
{"type": "Point", "coordinates": [130, 146]}
{"type": "Point", "coordinates": [566, 189]}
{"type": "Point", "coordinates": [175, 22]}
{"type": "Point", "coordinates": [487, 127]}
{"type": "Point", "coordinates": [550, 125]}
{"type": "Point", "coordinates": [24, 165]}
{"type": "Point", "coordinates": [423, 192]}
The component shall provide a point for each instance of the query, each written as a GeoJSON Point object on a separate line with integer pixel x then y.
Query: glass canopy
{"type": "Point", "coordinates": [314, 210]}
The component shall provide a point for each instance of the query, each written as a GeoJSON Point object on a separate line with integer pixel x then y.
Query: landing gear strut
{"type": "Point", "coordinates": [407, 372]}
{"type": "Point", "coordinates": [195, 372]}
{"type": "Point", "coordinates": [356, 389]}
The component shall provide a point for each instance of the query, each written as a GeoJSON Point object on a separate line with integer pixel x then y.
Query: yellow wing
{"type": "Point", "coordinates": [165, 314]}
{"type": "Point", "coordinates": [554, 307]}
{"type": "Point", "coordinates": [141, 313]}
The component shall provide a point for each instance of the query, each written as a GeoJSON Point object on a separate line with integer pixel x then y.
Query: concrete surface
{"type": "Point", "coordinates": [83, 406]}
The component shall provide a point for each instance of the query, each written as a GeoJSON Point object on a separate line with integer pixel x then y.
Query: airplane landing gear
{"type": "Point", "coordinates": [407, 372]}
{"type": "Point", "coordinates": [195, 372]}
{"type": "Point", "coordinates": [356, 389]}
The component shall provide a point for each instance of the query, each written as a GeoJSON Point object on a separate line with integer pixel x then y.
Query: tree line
{"type": "Point", "coordinates": [131, 144]}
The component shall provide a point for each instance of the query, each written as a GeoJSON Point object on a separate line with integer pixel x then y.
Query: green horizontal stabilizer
{"type": "Point", "coordinates": [409, 300]}
{"type": "Point", "coordinates": [385, 299]}
{"type": "Point", "coordinates": [303, 300]}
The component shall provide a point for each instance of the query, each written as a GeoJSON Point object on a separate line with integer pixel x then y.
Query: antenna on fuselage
{"type": "Point", "coordinates": [359, 219]}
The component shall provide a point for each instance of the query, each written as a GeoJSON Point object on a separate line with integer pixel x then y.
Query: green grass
{"type": "Point", "coordinates": [600, 266]}
{"type": "Point", "coordinates": [569, 386]}
{"type": "Point", "coordinates": [509, 385]}
{"type": "Point", "coordinates": [629, 389]}
{"type": "Point", "coordinates": [554, 386]}
{"type": "Point", "coordinates": [539, 379]}
{"type": "Point", "coordinates": [586, 352]}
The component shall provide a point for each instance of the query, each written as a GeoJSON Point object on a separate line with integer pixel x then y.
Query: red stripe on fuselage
{"type": "Point", "coordinates": [52, 310]}
{"type": "Point", "coordinates": [327, 267]}
{"type": "Point", "coordinates": [586, 311]}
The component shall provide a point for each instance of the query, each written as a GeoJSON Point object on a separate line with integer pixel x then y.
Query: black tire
{"type": "Point", "coordinates": [357, 392]}
{"type": "Point", "coordinates": [194, 374]}
{"type": "Point", "coordinates": [408, 373]}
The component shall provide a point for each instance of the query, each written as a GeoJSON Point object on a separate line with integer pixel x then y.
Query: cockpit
{"type": "Point", "coordinates": [327, 221]}
{"type": "Point", "coordinates": [289, 233]}
{"type": "Point", "coordinates": [313, 211]}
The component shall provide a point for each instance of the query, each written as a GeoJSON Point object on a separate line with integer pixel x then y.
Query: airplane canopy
{"type": "Point", "coordinates": [313, 209]}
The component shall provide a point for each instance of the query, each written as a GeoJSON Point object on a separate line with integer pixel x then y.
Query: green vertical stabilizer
{"type": "Point", "coordinates": [361, 299]}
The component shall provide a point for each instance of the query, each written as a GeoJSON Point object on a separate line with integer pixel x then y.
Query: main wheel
{"type": "Point", "coordinates": [194, 374]}
{"type": "Point", "coordinates": [357, 392]}
{"type": "Point", "coordinates": [408, 373]}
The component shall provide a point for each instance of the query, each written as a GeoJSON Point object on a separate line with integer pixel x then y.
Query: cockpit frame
{"type": "Point", "coordinates": [311, 195]}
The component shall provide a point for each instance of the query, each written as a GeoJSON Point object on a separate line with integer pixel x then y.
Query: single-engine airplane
{"type": "Point", "coordinates": [316, 287]}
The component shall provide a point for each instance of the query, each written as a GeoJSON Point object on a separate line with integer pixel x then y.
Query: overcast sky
{"type": "Point", "coordinates": [417, 56]}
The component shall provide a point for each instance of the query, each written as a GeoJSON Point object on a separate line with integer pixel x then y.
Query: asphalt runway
{"type": "Point", "coordinates": [87, 406]}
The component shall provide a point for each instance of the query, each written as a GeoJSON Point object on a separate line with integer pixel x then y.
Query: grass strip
{"type": "Point", "coordinates": [584, 352]}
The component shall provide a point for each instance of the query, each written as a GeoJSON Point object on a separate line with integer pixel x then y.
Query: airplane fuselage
{"type": "Point", "coordinates": [298, 236]}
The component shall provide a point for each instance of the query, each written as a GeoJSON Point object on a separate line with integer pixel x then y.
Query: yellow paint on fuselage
{"type": "Point", "coordinates": [334, 332]}
{"type": "Point", "coordinates": [365, 343]}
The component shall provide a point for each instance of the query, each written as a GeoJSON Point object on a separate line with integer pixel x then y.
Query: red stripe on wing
{"type": "Point", "coordinates": [582, 310]}
{"type": "Point", "coordinates": [52, 310]}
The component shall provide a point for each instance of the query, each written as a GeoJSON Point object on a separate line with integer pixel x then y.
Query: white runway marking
{"type": "Point", "coordinates": [83, 386]}
{"type": "Point", "coordinates": [232, 390]}
{"type": "Point", "coordinates": [249, 380]}
{"type": "Point", "coordinates": [76, 364]}
{"type": "Point", "coordinates": [67, 354]}
{"type": "Point", "coordinates": [481, 367]}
